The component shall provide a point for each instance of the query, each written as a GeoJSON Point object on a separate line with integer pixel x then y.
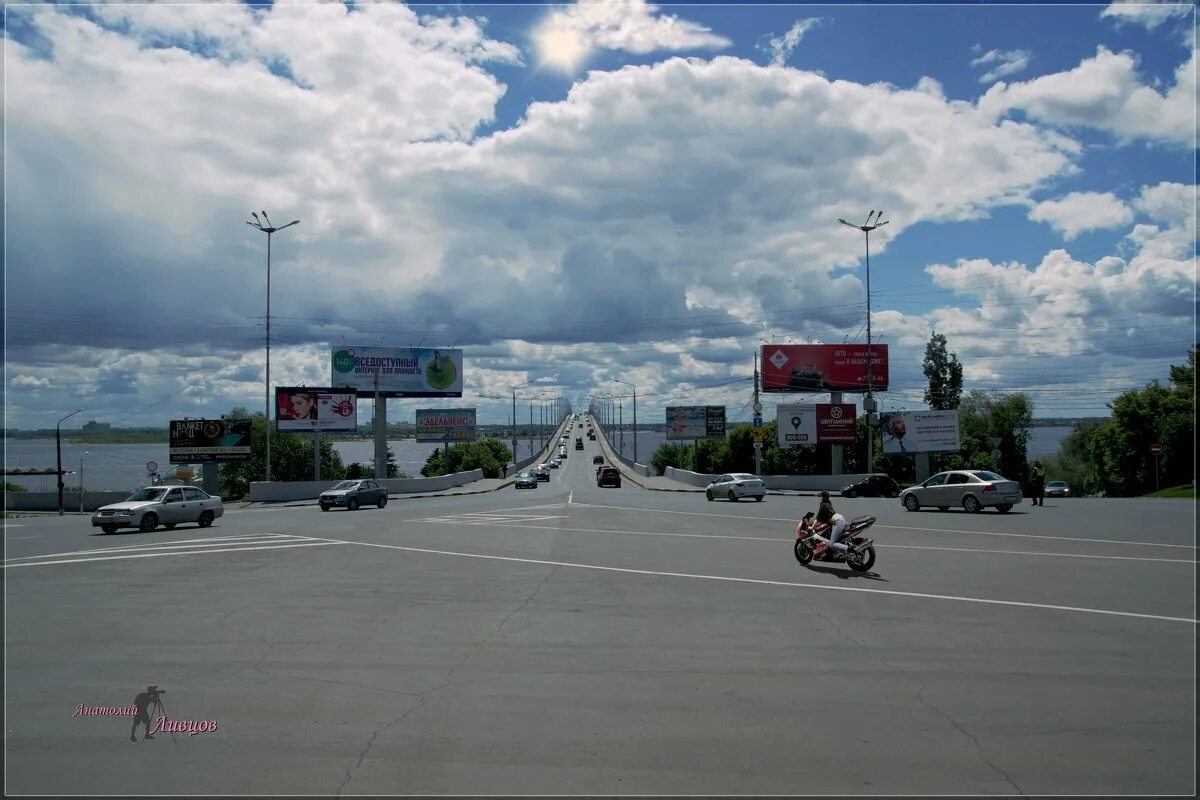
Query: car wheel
{"type": "Point", "coordinates": [324, 506]}
{"type": "Point", "coordinates": [352, 504]}
{"type": "Point", "coordinates": [851, 493]}
{"type": "Point", "coordinates": [206, 519]}
{"type": "Point", "coordinates": [383, 501]}
{"type": "Point", "coordinates": [732, 496]}
{"type": "Point", "coordinates": [149, 522]}
{"type": "Point", "coordinates": [943, 508]}
{"type": "Point", "coordinates": [912, 503]}
{"type": "Point", "coordinates": [109, 528]}
{"type": "Point", "coordinates": [758, 499]}
{"type": "Point", "coordinates": [1004, 509]}
{"type": "Point", "coordinates": [971, 505]}
{"type": "Point", "coordinates": [169, 526]}
{"type": "Point", "coordinates": [708, 494]}
{"type": "Point", "coordinates": [893, 494]}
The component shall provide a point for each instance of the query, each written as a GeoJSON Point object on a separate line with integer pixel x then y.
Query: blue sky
{"type": "Point", "coordinates": [592, 190]}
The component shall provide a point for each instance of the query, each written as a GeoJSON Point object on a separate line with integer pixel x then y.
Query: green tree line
{"type": "Point", "coordinates": [489, 455]}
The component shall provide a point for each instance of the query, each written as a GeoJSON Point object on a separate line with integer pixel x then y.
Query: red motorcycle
{"type": "Point", "coordinates": [811, 546]}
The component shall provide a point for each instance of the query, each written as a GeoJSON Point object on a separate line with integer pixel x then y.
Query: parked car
{"type": "Point", "coordinates": [974, 490]}
{"type": "Point", "coordinates": [352, 494]}
{"type": "Point", "coordinates": [1058, 489]}
{"type": "Point", "coordinates": [608, 476]}
{"type": "Point", "coordinates": [597, 459]}
{"type": "Point", "coordinates": [737, 485]}
{"type": "Point", "coordinates": [526, 480]}
{"type": "Point", "coordinates": [873, 486]}
{"type": "Point", "coordinates": [152, 506]}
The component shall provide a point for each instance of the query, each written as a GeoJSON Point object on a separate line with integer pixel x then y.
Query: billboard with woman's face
{"type": "Point", "coordinates": [301, 408]}
{"type": "Point", "coordinates": [920, 432]}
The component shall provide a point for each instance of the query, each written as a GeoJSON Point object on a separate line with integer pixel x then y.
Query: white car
{"type": "Point", "coordinates": [971, 489]}
{"type": "Point", "coordinates": [737, 485]}
{"type": "Point", "coordinates": [152, 506]}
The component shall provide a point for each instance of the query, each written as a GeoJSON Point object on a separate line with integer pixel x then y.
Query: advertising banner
{"type": "Point", "coordinates": [303, 409]}
{"type": "Point", "coordinates": [454, 425]}
{"type": "Point", "coordinates": [920, 432]}
{"type": "Point", "coordinates": [695, 422]}
{"type": "Point", "coordinates": [196, 440]}
{"type": "Point", "coordinates": [402, 371]}
{"type": "Point", "coordinates": [823, 367]}
{"type": "Point", "coordinates": [816, 423]}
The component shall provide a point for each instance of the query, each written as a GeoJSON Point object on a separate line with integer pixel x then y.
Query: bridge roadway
{"type": "Point", "coordinates": [573, 640]}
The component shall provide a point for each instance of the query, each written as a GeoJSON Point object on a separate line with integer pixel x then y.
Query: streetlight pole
{"type": "Point", "coordinates": [514, 419]}
{"type": "Point", "coordinates": [269, 230]}
{"type": "Point", "coordinates": [58, 448]}
{"type": "Point", "coordinates": [869, 404]}
{"type": "Point", "coordinates": [627, 383]}
{"type": "Point", "coordinates": [81, 455]}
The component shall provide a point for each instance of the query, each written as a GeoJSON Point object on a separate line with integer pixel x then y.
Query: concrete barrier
{"type": "Point", "coordinates": [795, 483]}
{"type": "Point", "coordinates": [278, 492]}
{"type": "Point", "coordinates": [644, 470]}
{"type": "Point", "coordinates": [546, 452]}
{"type": "Point", "coordinates": [48, 501]}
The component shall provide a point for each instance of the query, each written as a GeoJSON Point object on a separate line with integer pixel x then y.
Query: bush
{"type": "Point", "coordinates": [14, 487]}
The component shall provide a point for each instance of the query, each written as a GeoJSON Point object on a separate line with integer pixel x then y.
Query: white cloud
{"type": "Point", "coordinates": [1173, 204]}
{"type": "Point", "coordinates": [30, 382]}
{"type": "Point", "coordinates": [1106, 93]}
{"type": "Point", "coordinates": [782, 47]}
{"type": "Point", "coordinates": [635, 26]}
{"type": "Point", "coordinates": [1150, 13]}
{"type": "Point", "coordinates": [1083, 211]}
{"type": "Point", "coordinates": [1007, 62]}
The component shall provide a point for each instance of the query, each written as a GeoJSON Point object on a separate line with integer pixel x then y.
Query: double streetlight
{"type": "Point", "coordinates": [58, 448]}
{"type": "Point", "coordinates": [269, 230]}
{"type": "Point", "coordinates": [514, 421]}
{"type": "Point", "coordinates": [627, 383]}
{"type": "Point", "coordinates": [869, 404]}
{"type": "Point", "coordinates": [81, 455]}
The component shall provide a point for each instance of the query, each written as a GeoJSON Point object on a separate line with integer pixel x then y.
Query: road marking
{"type": "Point", "coordinates": [764, 582]}
{"type": "Point", "coordinates": [321, 543]}
{"type": "Point", "coordinates": [10, 525]}
{"type": "Point", "coordinates": [778, 540]}
{"type": "Point", "coordinates": [22, 538]}
{"type": "Point", "coordinates": [896, 527]}
{"type": "Point", "coordinates": [224, 540]}
{"type": "Point", "coordinates": [571, 497]}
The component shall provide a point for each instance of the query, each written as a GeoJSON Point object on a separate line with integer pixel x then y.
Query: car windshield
{"type": "Point", "coordinates": [1056, 483]}
{"type": "Point", "coordinates": [744, 476]}
{"type": "Point", "coordinates": [346, 485]}
{"type": "Point", "coordinates": [987, 476]}
{"type": "Point", "coordinates": [146, 495]}
{"type": "Point", "coordinates": [525, 475]}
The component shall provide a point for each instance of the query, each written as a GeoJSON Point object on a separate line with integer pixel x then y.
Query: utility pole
{"type": "Point", "coordinates": [758, 421]}
{"type": "Point", "coordinates": [869, 404]}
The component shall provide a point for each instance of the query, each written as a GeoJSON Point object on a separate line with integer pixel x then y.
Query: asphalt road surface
{"type": "Point", "coordinates": [578, 640]}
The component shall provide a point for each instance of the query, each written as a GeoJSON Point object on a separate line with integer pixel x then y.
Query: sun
{"type": "Point", "coordinates": [560, 47]}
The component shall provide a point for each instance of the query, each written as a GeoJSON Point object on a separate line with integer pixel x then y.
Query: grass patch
{"type": "Point", "coordinates": [1185, 492]}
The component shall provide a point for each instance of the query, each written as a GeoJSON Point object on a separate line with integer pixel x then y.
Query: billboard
{"type": "Point", "coordinates": [823, 367]}
{"type": "Point", "coordinates": [695, 422]}
{"type": "Point", "coordinates": [402, 371]}
{"type": "Point", "coordinates": [302, 408]}
{"type": "Point", "coordinates": [445, 425]}
{"type": "Point", "coordinates": [195, 440]}
{"type": "Point", "coordinates": [920, 432]}
{"type": "Point", "coordinates": [816, 423]}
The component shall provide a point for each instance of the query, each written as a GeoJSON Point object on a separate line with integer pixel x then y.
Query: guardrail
{"type": "Point", "coordinates": [48, 501]}
{"type": "Point", "coordinates": [795, 483]}
{"type": "Point", "coordinates": [541, 455]}
{"type": "Point", "coordinates": [279, 491]}
{"type": "Point", "coordinates": [641, 469]}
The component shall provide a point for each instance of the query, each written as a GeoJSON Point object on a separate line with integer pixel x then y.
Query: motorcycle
{"type": "Point", "coordinates": [812, 546]}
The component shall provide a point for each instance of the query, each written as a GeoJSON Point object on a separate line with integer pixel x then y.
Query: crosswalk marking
{"type": "Point", "coordinates": [194, 547]}
{"type": "Point", "coordinates": [486, 517]}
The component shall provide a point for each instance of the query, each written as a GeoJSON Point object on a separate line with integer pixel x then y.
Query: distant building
{"type": "Point", "coordinates": [96, 427]}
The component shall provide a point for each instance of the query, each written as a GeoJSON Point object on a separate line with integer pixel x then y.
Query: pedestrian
{"type": "Point", "coordinates": [504, 472]}
{"type": "Point", "coordinates": [1039, 484]}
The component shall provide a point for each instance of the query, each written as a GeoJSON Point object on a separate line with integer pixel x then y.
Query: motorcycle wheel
{"type": "Point", "coordinates": [863, 561]}
{"type": "Point", "coordinates": [803, 552]}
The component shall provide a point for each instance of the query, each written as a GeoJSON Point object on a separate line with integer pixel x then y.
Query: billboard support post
{"type": "Point", "coordinates": [316, 455]}
{"type": "Point", "coordinates": [380, 431]}
{"type": "Point", "coordinates": [209, 471]}
{"type": "Point", "coordinates": [758, 419]}
{"type": "Point", "coordinates": [835, 450]}
{"type": "Point", "coordinates": [923, 470]}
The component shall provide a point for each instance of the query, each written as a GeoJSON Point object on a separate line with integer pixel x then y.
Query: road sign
{"type": "Point", "coordinates": [757, 407]}
{"type": "Point", "coordinates": [758, 435]}
{"type": "Point", "coordinates": [1156, 449]}
{"type": "Point", "coordinates": [151, 466]}
{"type": "Point", "coordinates": [758, 422]}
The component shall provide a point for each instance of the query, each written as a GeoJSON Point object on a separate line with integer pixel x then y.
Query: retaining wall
{"type": "Point", "coordinates": [276, 492]}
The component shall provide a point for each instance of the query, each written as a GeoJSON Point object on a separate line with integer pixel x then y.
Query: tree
{"type": "Point", "coordinates": [945, 375]}
{"type": "Point", "coordinates": [488, 455]}
{"type": "Point", "coordinates": [672, 454]}
{"type": "Point", "coordinates": [291, 458]}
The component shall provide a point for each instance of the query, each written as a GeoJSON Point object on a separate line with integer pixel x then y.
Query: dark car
{"type": "Point", "coordinates": [579, 444]}
{"type": "Point", "coordinates": [598, 460]}
{"type": "Point", "coordinates": [873, 486]}
{"type": "Point", "coordinates": [608, 476]}
{"type": "Point", "coordinates": [525, 480]}
{"type": "Point", "coordinates": [352, 494]}
{"type": "Point", "coordinates": [542, 473]}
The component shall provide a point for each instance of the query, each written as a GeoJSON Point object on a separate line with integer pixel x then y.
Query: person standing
{"type": "Point", "coordinates": [1039, 484]}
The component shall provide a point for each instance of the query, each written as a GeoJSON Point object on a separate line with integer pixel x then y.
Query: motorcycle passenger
{"type": "Point", "coordinates": [828, 518]}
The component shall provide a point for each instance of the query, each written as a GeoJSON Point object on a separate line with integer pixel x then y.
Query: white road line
{"type": "Point", "coordinates": [777, 540]}
{"type": "Point", "coordinates": [763, 582]}
{"type": "Point", "coordinates": [10, 525]}
{"type": "Point", "coordinates": [134, 548]}
{"type": "Point", "coordinates": [895, 527]}
{"type": "Point", "coordinates": [175, 553]}
{"type": "Point", "coordinates": [22, 538]}
{"type": "Point", "coordinates": [571, 497]}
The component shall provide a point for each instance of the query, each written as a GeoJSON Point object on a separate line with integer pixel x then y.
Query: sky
{"type": "Point", "coordinates": [585, 192]}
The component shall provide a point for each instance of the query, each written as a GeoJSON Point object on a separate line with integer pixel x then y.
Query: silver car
{"type": "Point", "coordinates": [737, 485]}
{"type": "Point", "coordinates": [152, 506]}
{"type": "Point", "coordinates": [972, 489]}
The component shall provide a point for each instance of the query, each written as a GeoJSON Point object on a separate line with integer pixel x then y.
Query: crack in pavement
{"type": "Point", "coordinates": [920, 695]}
{"type": "Point", "coordinates": [371, 743]}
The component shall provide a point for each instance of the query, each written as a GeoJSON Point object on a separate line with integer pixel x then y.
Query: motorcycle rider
{"type": "Point", "coordinates": [829, 519]}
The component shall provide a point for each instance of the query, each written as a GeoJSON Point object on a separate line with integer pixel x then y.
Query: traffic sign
{"type": "Point", "coordinates": [151, 466]}
{"type": "Point", "coordinates": [757, 407]}
{"type": "Point", "coordinates": [1156, 449]}
{"type": "Point", "coordinates": [758, 435]}
{"type": "Point", "coordinates": [758, 422]}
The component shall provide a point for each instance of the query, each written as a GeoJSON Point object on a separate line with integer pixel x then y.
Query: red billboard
{"type": "Point", "coordinates": [823, 367]}
{"type": "Point", "coordinates": [836, 423]}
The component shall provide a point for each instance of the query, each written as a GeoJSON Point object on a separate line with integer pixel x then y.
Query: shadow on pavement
{"type": "Point", "coordinates": [846, 573]}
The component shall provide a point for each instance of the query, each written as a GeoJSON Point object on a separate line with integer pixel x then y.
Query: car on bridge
{"type": "Point", "coordinates": [152, 506]}
{"type": "Point", "coordinates": [873, 486]}
{"type": "Point", "coordinates": [352, 494]}
{"type": "Point", "coordinates": [973, 490]}
{"type": "Point", "coordinates": [525, 480]}
{"type": "Point", "coordinates": [735, 486]}
{"type": "Point", "coordinates": [608, 476]}
{"type": "Point", "coordinates": [598, 459]}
